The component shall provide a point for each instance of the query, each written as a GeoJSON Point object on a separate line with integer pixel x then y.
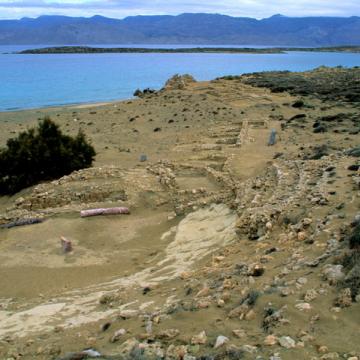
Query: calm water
{"type": "Point", "coordinates": [30, 81]}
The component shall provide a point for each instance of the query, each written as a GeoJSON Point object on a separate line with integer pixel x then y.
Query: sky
{"type": "Point", "coordinates": [15, 9]}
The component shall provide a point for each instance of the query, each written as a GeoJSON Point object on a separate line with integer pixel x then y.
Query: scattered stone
{"type": "Point", "coordinates": [310, 295]}
{"type": "Point", "coordinates": [176, 352]}
{"type": "Point", "coordinates": [301, 281]}
{"type": "Point", "coordinates": [127, 314]}
{"type": "Point", "coordinates": [203, 292]}
{"type": "Point", "coordinates": [302, 236]}
{"type": "Point", "coordinates": [344, 299]}
{"type": "Point", "coordinates": [287, 342]}
{"type": "Point", "coordinates": [239, 333]}
{"type": "Point", "coordinates": [168, 334]}
{"type": "Point", "coordinates": [117, 335]}
{"type": "Point", "coordinates": [256, 270]}
{"type": "Point", "coordinates": [285, 292]}
{"type": "Point", "coordinates": [220, 341]}
{"type": "Point", "coordinates": [199, 339]}
{"type": "Point", "coordinates": [270, 340]}
{"type": "Point", "coordinates": [330, 356]}
{"type": "Point", "coordinates": [143, 158]}
{"type": "Point", "coordinates": [249, 349]}
{"type": "Point", "coordinates": [333, 273]}
{"type": "Point", "coordinates": [303, 306]}
{"type": "Point", "coordinates": [86, 354]}
{"type": "Point", "coordinates": [106, 299]}
{"type": "Point", "coordinates": [275, 356]}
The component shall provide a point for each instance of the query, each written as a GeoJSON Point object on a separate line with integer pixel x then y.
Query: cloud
{"type": "Point", "coordinates": [122, 8]}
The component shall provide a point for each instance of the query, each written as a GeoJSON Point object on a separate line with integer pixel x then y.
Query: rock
{"type": "Point", "coordinates": [168, 334]}
{"type": "Point", "coordinates": [86, 354]}
{"type": "Point", "coordinates": [203, 304]}
{"type": "Point", "coordinates": [179, 82]}
{"type": "Point", "coordinates": [239, 311]}
{"type": "Point", "coordinates": [117, 335]}
{"type": "Point", "coordinates": [91, 353]}
{"type": "Point", "coordinates": [285, 292]}
{"type": "Point", "coordinates": [142, 158]}
{"type": "Point", "coordinates": [301, 280]}
{"type": "Point", "coordinates": [275, 356]}
{"type": "Point", "coordinates": [127, 314]}
{"type": "Point", "coordinates": [19, 201]}
{"type": "Point", "coordinates": [310, 295]}
{"type": "Point", "coordinates": [322, 349]}
{"type": "Point", "coordinates": [344, 299]}
{"type": "Point", "coordinates": [302, 236]}
{"type": "Point", "coordinates": [199, 339]}
{"type": "Point", "coordinates": [256, 270]}
{"type": "Point", "coordinates": [249, 349]}
{"type": "Point", "coordinates": [268, 225]}
{"type": "Point", "coordinates": [126, 347]}
{"type": "Point", "coordinates": [106, 299]}
{"type": "Point", "coordinates": [226, 296]}
{"type": "Point", "coordinates": [185, 275]}
{"type": "Point", "coordinates": [220, 341]}
{"type": "Point", "coordinates": [203, 292]}
{"type": "Point", "coordinates": [149, 327]}
{"type": "Point", "coordinates": [303, 306]}
{"type": "Point", "coordinates": [287, 342]}
{"type": "Point", "coordinates": [176, 352]}
{"type": "Point", "coordinates": [330, 356]}
{"type": "Point", "coordinates": [150, 351]}
{"type": "Point", "coordinates": [333, 273]}
{"type": "Point", "coordinates": [270, 340]}
{"type": "Point", "coordinates": [250, 315]}
{"type": "Point", "coordinates": [239, 333]}
{"type": "Point", "coordinates": [354, 152]}
{"type": "Point", "coordinates": [234, 352]}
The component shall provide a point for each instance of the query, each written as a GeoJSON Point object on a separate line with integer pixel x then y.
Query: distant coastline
{"type": "Point", "coordinates": [220, 50]}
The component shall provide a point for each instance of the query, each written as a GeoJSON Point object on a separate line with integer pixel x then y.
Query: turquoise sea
{"type": "Point", "coordinates": [31, 81]}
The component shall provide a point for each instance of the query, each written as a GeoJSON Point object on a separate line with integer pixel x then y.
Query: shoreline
{"type": "Point", "coordinates": [79, 105]}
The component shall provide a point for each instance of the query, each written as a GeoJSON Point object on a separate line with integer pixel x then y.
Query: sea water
{"type": "Point", "coordinates": [31, 81]}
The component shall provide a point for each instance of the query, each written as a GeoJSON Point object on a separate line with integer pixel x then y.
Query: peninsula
{"type": "Point", "coordinates": [220, 50]}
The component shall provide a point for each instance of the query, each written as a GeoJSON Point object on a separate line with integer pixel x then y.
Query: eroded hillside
{"type": "Point", "coordinates": [233, 249]}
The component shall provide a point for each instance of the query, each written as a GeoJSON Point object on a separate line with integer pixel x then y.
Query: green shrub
{"type": "Point", "coordinates": [42, 154]}
{"type": "Point", "coordinates": [354, 238]}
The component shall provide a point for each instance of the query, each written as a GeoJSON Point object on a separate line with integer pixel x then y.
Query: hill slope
{"type": "Point", "coordinates": [183, 29]}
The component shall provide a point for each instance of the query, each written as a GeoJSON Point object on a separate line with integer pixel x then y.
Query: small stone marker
{"type": "Point", "coordinates": [143, 158]}
{"type": "Point", "coordinates": [66, 245]}
{"type": "Point", "coordinates": [272, 138]}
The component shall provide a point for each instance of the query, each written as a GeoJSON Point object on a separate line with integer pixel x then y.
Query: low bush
{"type": "Point", "coordinates": [40, 154]}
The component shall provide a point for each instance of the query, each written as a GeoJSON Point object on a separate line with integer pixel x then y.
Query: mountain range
{"type": "Point", "coordinates": [206, 29]}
